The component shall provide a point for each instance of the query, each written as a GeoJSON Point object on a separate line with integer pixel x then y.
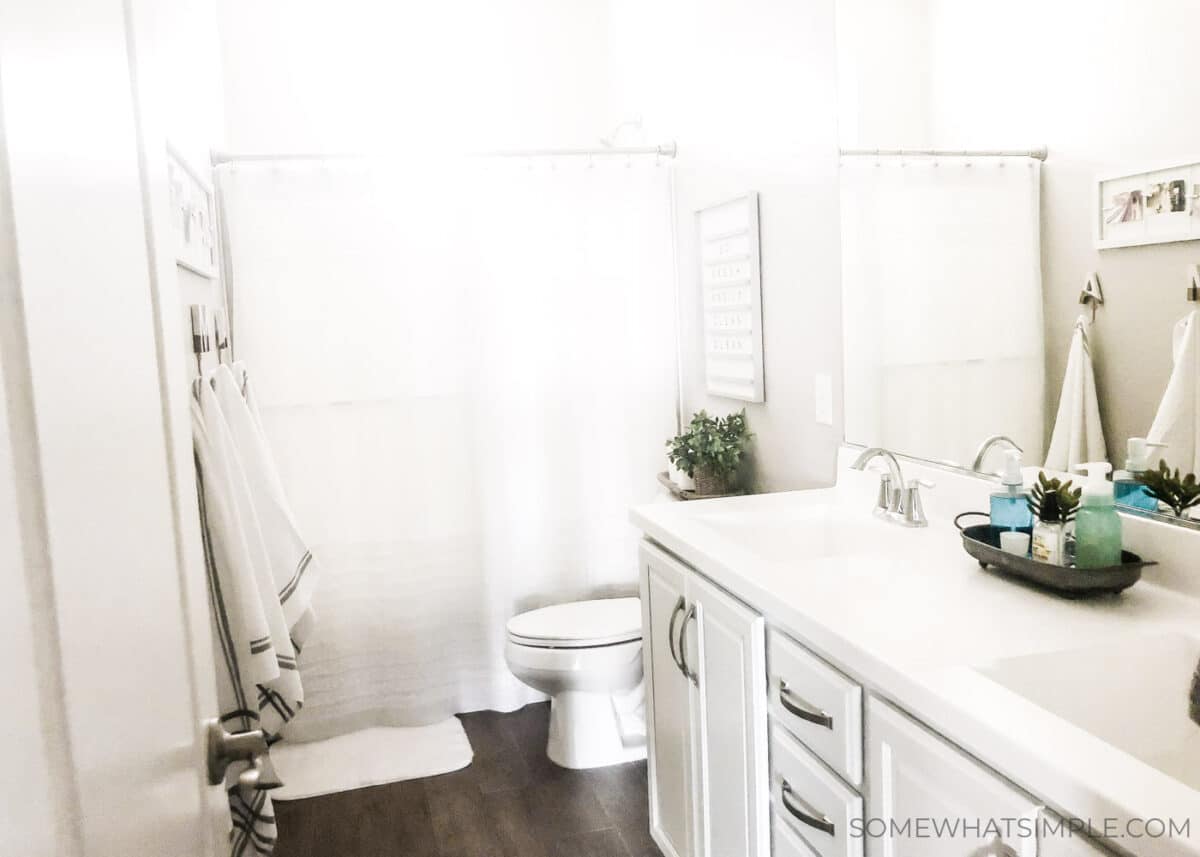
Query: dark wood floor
{"type": "Point", "coordinates": [510, 802]}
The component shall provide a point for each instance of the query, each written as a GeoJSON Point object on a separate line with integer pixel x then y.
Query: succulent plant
{"type": "Point", "coordinates": [1168, 487]}
{"type": "Point", "coordinates": [1052, 501]}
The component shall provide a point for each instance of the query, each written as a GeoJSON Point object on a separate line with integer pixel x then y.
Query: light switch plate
{"type": "Point", "coordinates": [823, 397]}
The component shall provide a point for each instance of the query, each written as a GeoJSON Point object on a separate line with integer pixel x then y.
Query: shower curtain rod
{"type": "Point", "coordinates": [1040, 153]}
{"type": "Point", "coordinates": [665, 150]}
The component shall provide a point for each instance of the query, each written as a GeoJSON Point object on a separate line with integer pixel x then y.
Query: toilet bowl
{"type": "Point", "coordinates": [587, 657]}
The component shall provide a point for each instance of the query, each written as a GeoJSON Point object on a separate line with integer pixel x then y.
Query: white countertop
{"type": "Point", "coordinates": [910, 614]}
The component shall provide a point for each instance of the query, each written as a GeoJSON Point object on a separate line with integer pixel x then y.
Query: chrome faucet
{"type": "Point", "coordinates": [898, 501]}
{"type": "Point", "coordinates": [890, 483]}
{"type": "Point", "coordinates": [986, 447]}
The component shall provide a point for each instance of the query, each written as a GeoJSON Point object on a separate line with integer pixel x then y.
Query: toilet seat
{"type": "Point", "coordinates": [579, 624]}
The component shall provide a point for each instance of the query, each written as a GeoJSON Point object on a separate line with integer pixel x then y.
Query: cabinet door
{"type": "Point", "coordinates": [928, 799]}
{"type": "Point", "coordinates": [668, 704]}
{"type": "Point", "coordinates": [726, 643]}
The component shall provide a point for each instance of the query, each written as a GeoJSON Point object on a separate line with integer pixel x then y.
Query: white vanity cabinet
{"type": "Point", "coordinates": [669, 711]}
{"type": "Point", "coordinates": [916, 780]}
{"type": "Point", "coordinates": [707, 708]}
{"type": "Point", "coordinates": [1057, 841]}
{"type": "Point", "coordinates": [760, 747]}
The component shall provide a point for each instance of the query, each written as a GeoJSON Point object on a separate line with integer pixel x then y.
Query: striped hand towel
{"type": "Point", "coordinates": [292, 565]}
{"type": "Point", "coordinates": [260, 585]}
{"type": "Point", "coordinates": [239, 629]}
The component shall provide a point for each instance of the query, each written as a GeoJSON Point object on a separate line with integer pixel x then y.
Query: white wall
{"type": "Point", "coordinates": [883, 73]}
{"type": "Point", "coordinates": [1106, 86]}
{"type": "Point", "coordinates": [747, 87]}
{"type": "Point", "coordinates": [181, 96]}
{"type": "Point", "coordinates": [359, 75]}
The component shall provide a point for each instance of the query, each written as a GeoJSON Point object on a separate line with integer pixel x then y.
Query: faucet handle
{"type": "Point", "coordinates": [910, 503]}
{"type": "Point", "coordinates": [888, 497]}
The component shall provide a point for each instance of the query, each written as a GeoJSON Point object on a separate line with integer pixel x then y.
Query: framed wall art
{"type": "Point", "coordinates": [1155, 206]}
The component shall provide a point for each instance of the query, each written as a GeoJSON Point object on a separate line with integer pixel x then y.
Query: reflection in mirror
{"type": "Point", "coordinates": [973, 275]}
{"type": "Point", "coordinates": [942, 303]}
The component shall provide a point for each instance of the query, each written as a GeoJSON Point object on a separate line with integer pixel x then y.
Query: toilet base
{"type": "Point", "coordinates": [585, 730]}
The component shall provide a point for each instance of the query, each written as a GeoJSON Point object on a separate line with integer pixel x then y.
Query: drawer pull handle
{"type": "Point", "coordinates": [692, 675]}
{"type": "Point", "coordinates": [794, 705]}
{"type": "Point", "coordinates": [679, 605]}
{"type": "Point", "coordinates": [812, 819]}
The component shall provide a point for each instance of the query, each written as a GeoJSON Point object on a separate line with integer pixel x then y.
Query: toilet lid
{"type": "Point", "coordinates": [579, 624]}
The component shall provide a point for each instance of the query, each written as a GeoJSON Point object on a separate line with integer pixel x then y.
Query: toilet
{"type": "Point", "coordinates": [587, 657]}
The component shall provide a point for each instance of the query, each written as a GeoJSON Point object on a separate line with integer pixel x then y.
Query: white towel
{"type": "Point", "coordinates": [292, 566]}
{"type": "Point", "coordinates": [240, 625]}
{"type": "Point", "coordinates": [1177, 423]}
{"type": "Point", "coordinates": [1078, 436]}
{"type": "Point", "coordinates": [280, 695]}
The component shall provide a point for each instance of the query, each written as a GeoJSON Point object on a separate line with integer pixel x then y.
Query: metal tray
{"type": "Point", "coordinates": [982, 541]}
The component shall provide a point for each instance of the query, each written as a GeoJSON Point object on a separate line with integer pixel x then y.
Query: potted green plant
{"type": "Point", "coordinates": [1178, 492]}
{"type": "Point", "coordinates": [1053, 505]}
{"type": "Point", "coordinates": [711, 451]}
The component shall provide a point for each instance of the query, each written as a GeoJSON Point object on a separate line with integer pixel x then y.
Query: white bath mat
{"type": "Point", "coordinates": [370, 757]}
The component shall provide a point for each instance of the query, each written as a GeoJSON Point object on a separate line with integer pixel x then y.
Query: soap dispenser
{"type": "Point", "coordinates": [1010, 507]}
{"type": "Point", "coordinates": [1097, 524]}
{"type": "Point", "coordinates": [1127, 490]}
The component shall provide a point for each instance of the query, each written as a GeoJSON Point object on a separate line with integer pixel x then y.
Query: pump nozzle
{"type": "Point", "coordinates": [1137, 453]}
{"type": "Point", "coordinates": [1096, 489]}
{"type": "Point", "coordinates": [1012, 468]}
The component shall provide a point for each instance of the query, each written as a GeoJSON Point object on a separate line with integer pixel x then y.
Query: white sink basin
{"type": "Point", "coordinates": [804, 531]}
{"type": "Point", "coordinates": [1131, 693]}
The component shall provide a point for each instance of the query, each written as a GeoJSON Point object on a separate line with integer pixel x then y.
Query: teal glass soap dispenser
{"type": "Point", "coordinates": [1010, 507]}
{"type": "Point", "coordinates": [1128, 490]}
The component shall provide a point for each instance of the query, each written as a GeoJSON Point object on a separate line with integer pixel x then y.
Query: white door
{"type": "Point", "coordinates": [917, 781]}
{"type": "Point", "coordinates": [733, 716]}
{"type": "Point", "coordinates": [669, 707]}
{"type": "Point", "coordinates": [104, 611]}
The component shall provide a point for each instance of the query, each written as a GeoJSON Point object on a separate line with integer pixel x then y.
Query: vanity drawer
{"type": "Point", "coordinates": [814, 804]}
{"type": "Point", "coordinates": [818, 704]}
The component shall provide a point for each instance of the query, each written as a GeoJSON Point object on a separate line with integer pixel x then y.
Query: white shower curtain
{"type": "Point", "coordinates": [468, 373]}
{"type": "Point", "coordinates": [942, 300]}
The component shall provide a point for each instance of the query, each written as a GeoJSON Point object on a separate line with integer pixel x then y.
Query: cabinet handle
{"type": "Point", "coordinates": [794, 705]}
{"type": "Point", "coordinates": [820, 822]}
{"type": "Point", "coordinates": [687, 670]}
{"type": "Point", "coordinates": [679, 605]}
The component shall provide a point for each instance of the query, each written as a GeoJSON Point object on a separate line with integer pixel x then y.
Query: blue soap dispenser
{"type": "Point", "coordinates": [1126, 487]}
{"type": "Point", "coordinates": [1010, 507]}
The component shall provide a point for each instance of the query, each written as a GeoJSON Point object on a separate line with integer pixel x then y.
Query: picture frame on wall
{"type": "Point", "coordinates": [193, 216]}
{"type": "Point", "coordinates": [1153, 206]}
{"type": "Point", "coordinates": [727, 236]}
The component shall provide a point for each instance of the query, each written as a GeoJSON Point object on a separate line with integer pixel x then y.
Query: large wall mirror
{"type": "Point", "coordinates": [962, 275]}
